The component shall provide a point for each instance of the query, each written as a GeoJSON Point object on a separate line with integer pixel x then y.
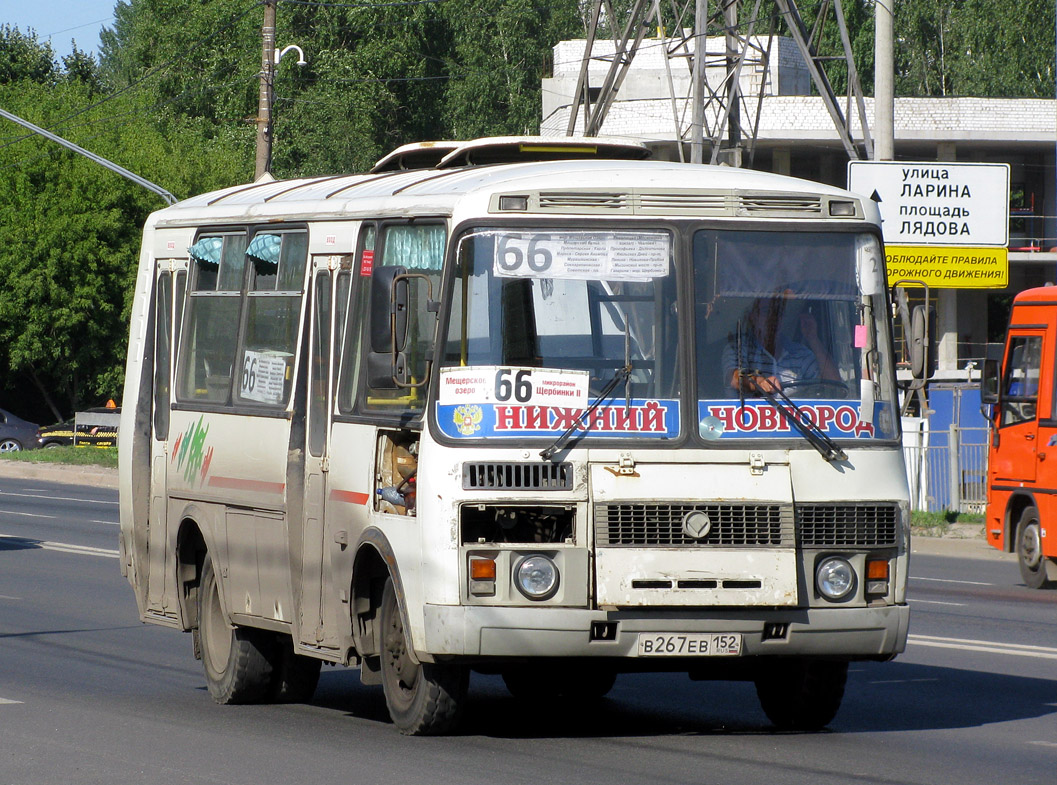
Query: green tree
{"type": "Point", "coordinates": [23, 57]}
{"type": "Point", "coordinates": [990, 48]}
{"type": "Point", "coordinates": [70, 229]}
{"type": "Point", "coordinates": [501, 51]}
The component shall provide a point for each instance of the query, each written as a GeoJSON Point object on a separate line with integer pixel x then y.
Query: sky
{"type": "Point", "coordinates": [59, 21]}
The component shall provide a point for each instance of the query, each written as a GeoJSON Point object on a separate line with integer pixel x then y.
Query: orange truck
{"type": "Point", "coordinates": [1018, 382]}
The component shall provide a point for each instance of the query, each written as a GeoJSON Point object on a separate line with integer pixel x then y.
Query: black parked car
{"type": "Point", "coordinates": [87, 434]}
{"type": "Point", "coordinates": [16, 433]}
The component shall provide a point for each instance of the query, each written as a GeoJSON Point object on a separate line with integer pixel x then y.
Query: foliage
{"type": "Point", "coordinates": [69, 231]}
{"type": "Point", "coordinates": [22, 57]}
{"type": "Point", "coordinates": [938, 523]}
{"type": "Point", "coordinates": [975, 47]}
{"type": "Point", "coordinates": [502, 48]}
{"type": "Point", "coordinates": [77, 456]}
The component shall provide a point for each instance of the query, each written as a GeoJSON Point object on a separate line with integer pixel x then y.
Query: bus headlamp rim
{"type": "Point", "coordinates": [835, 578]}
{"type": "Point", "coordinates": [527, 563]}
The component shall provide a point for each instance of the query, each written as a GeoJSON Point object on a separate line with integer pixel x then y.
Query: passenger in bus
{"type": "Point", "coordinates": [769, 356]}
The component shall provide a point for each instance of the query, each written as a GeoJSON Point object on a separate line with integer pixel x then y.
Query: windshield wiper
{"type": "Point", "coordinates": [622, 375]}
{"type": "Point", "coordinates": [580, 423]}
{"type": "Point", "coordinates": [826, 447]}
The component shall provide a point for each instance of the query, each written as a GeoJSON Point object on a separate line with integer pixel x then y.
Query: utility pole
{"type": "Point", "coordinates": [884, 82]}
{"type": "Point", "coordinates": [697, 130]}
{"type": "Point", "coordinates": [730, 17]}
{"type": "Point", "coordinates": [264, 110]}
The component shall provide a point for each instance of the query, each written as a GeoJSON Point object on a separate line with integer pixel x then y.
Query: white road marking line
{"type": "Point", "coordinates": [950, 580]}
{"type": "Point", "coordinates": [8, 701]}
{"type": "Point", "coordinates": [6, 597]}
{"type": "Point", "coordinates": [65, 547]}
{"type": "Point", "coordinates": [1044, 743]}
{"type": "Point", "coordinates": [58, 498]}
{"type": "Point", "coordinates": [991, 647]}
{"type": "Point", "coordinates": [935, 602]}
{"type": "Point", "coordinates": [54, 517]}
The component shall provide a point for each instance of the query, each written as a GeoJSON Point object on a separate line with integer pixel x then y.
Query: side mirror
{"type": "Point", "coordinates": [992, 372]}
{"type": "Point", "coordinates": [922, 342]}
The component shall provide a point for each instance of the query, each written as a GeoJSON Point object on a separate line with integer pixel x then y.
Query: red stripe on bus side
{"type": "Point", "coordinates": [239, 484]}
{"type": "Point", "coordinates": [349, 496]}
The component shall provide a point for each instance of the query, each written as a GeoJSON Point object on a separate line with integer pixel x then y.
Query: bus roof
{"type": "Point", "coordinates": [580, 186]}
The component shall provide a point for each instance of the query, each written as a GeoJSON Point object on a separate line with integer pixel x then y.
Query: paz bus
{"type": "Point", "coordinates": [1018, 382]}
{"type": "Point", "coordinates": [537, 409]}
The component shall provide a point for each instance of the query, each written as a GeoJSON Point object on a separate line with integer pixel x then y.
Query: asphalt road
{"type": "Point", "coordinates": [90, 695]}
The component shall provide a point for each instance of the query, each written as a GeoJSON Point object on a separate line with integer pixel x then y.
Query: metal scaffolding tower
{"type": "Point", "coordinates": [724, 117]}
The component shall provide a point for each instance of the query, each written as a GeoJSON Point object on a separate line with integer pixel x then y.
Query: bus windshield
{"type": "Point", "coordinates": [543, 320]}
{"type": "Point", "coordinates": [785, 325]}
{"type": "Point", "coordinates": [796, 313]}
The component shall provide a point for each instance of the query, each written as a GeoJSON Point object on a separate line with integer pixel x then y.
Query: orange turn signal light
{"type": "Point", "coordinates": [877, 570]}
{"type": "Point", "coordinates": [482, 569]}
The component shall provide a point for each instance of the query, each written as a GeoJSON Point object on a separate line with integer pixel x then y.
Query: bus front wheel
{"type": "Point", "coordinates": [237, 661]}
{"type": "Point", "coordinates": [1029, 551]}
{"type": "Point", "coordinates": [425, 698]}
{"type": "Point", "coordinates": [802, 694]}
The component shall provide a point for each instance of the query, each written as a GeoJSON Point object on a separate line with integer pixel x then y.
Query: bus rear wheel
{"type": "Point", "coordinates": [1029, 551]}
{"type": "Point", "coordinates": [237, 661]}
{"type": "Point", "coordinates": [424, 699]}
{"type": "Point", "coordinates": [802, 694]}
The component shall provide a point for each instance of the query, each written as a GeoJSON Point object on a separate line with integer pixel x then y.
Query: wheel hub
{"type": "Point", "coordinates": [1031, 546]}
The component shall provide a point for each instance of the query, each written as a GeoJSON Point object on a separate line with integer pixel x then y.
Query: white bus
{"type": "Point", "coordinates": [550, 419]}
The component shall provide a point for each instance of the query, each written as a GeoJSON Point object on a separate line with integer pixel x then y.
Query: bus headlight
{"type": "Point", "coordinates": [834, 578]}
{"type": "Point", "coordinates": [536, 577]}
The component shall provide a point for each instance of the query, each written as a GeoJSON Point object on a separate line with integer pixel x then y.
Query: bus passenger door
{"type": "Point", "coordinates": [171, 278]}
{"type": "Point", "coordinates": [312, 629]}
{"type": "Point", "coordinates": [1018, 418]}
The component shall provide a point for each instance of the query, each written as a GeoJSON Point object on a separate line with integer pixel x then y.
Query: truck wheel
{"type": "Point", "coordinates": [424, 699]}
{"type": "Point", "coordinates": [237, 661]}
{"type": "Point", "coordinates": [802, 694]}
{"type": "Point", "coordinates": [1029, 551]}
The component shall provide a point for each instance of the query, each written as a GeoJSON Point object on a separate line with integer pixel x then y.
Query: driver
{"type": "Point", "coordinates": [770, 359]}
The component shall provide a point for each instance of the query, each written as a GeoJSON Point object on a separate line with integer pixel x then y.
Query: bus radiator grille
{"type": "Point", "coordinates": [847, 525]}
{"type": "Point", "coordinates": [516, 476]}
{"type": "Point", "coordinates": [736, 525]}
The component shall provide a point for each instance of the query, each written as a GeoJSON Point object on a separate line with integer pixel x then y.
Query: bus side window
{"type": "Point", "coordinates": [207, 347]}
{"type": "Point", "coordinates": [419, 248]}
{"type": "Point", "coordinates": [162, 354]}
{"type": "Point", "coordinates": [1020, 387]}
{"type": "Point", "coordinates": [353, 314]}
{"type": "Point", "coordinates": [277, 262]}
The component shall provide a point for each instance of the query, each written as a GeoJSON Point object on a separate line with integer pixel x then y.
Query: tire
{"type": "Point", "coordinates": [237, 661]}
{"type": "Point", "coordinates": [802, 694]}
{"type": "Point", "coordinates": [579, 683]}
{"type": "Point", "coordinates": [1029, 551]}
{"type": "Point", "coordinates": [295, 677]}
{"type": "Point", "coordinates": [10, 445]}
{"type": "Point", "coordinates": [424, 699]}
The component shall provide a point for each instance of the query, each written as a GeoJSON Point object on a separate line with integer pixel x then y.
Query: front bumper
{"type": "Point", "coordinates": [482, 632]}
